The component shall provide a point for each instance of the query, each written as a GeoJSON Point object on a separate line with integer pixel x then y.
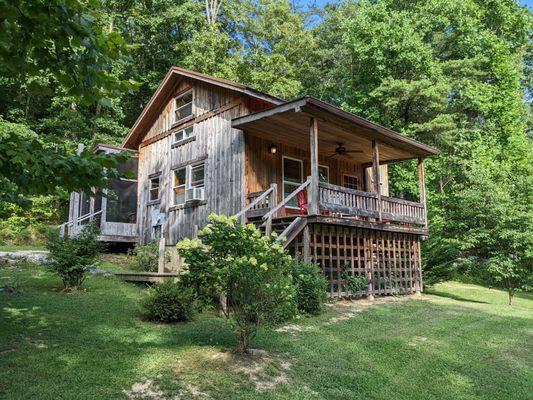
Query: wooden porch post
{"type": "Point", "coordinates": [422, 188]}
{"type": "Point", "coordinates": [376, 175]}
{"type": "Point", "coordinates": [313, 198]}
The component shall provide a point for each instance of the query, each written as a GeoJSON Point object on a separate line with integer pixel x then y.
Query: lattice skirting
{"type": "Point", "coordinates": [389, 262]}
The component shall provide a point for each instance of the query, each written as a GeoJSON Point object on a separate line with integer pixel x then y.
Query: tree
{"type": "Point", "coordinates": [448, 73]}
{"type": "Point", "coordinates": [250, 270]}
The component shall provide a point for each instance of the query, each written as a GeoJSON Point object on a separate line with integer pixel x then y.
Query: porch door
{"type": "Point", "coordinates": [292, 177]}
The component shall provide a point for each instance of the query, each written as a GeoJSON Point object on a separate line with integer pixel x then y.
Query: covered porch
{"type": "Point", "coordinates": [307, 157]}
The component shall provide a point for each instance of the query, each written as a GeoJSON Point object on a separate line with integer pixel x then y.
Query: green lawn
{"type": "Point", "coordinates": [460, 342]}
{"type": "Point", "coordinates": [16, 247]}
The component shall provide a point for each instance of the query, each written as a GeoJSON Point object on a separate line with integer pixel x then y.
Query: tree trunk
{"type": "Point", "coordinates": [510, 290]}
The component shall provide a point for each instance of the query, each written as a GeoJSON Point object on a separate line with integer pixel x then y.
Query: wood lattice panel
{"type": "Point", "coordinates": [389, 261]}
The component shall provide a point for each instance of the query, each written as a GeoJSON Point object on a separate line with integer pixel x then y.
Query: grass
{"type": "Point", "coordinates": [458, 342]}
{"type": "Point", "coordinates": [16, 247]}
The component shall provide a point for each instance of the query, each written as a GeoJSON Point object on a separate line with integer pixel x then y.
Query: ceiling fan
{"type": "Point", "coordinates": [340, 150]}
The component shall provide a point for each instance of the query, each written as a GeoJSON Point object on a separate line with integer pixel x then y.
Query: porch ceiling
{"type": "Point", "coordinates": [289, 124]}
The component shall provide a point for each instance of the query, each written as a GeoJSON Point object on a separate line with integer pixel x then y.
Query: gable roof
{"type": "Point", "coordinates": [150, 111]}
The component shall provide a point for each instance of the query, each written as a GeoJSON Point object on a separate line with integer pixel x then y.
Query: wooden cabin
{"type": "Point", "coordinates": [311, 172]}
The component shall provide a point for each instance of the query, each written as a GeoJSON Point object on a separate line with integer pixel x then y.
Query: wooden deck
{"type": "Point", "coordinates": [147, 277]}
{"type": "Point", "coordinates": [353, 208]}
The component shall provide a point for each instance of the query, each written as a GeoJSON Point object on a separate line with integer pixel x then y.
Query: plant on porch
{"type": "Point", "coordinates": [250, 270]}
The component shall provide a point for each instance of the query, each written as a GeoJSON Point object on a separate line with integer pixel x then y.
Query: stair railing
{"type": "Point", "coordinates": [269, 215]}
{"type": "Point", "coordinates": [272, 191]}
{"type": "Point", "coordinates": [77, 221]}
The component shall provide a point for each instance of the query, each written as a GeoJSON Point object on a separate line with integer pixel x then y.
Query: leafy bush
{"type": "Point", "coordinates": [310, 286]}
{"type": "Point", "coordinates": [71, 256]}
{"type": "Point", "coordinates": [144, 258]}
{"type": "Point", "coordinates": [170, 302]}
{"type": "Point", "coordinates": [248, 269]}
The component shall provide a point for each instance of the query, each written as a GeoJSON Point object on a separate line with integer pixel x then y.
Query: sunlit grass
{"type": "Point", "coordinates": [461, 342]}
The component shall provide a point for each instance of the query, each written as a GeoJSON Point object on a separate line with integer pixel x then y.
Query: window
{"type": "Point", "coordinates": [154, 189]}
{"type": "Point", "coordinates": [122, 201]}
{"type": "Point", "coordinates": [183, 106]}
{"type": "Point", "coordinates": [179, 185]}
{"type": "Point", "coordinates": [183, 134]}
{"type": "Point", "coordinates": [350, 182]}
{"type": "Point", "coordinates": [191, 176]}
{"type": "Point", "coordinates": [292, 178]}
{"type": "Point", "coordinates": [323, 174]}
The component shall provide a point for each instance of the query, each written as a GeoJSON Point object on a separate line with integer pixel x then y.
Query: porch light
{"type": "Point", "coordinates": [273, 149]}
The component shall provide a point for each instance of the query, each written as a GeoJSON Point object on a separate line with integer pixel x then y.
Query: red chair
{"type": "Point", "coordinates": [301, 198]}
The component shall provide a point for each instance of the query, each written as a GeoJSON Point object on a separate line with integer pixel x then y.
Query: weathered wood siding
{"type": "Point", "coordinates": [264, 168]}
{"type": "Point", "coordinates": [221, 146]}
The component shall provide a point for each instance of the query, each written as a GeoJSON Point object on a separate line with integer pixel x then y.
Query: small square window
{"type": "Point", "coordinates": [154, 189]}
{"type": "Point", "coordinates": [351, 182]}
{"type": "Point", "coordinates": [183, 106]}
{"type": "Point", "coordinates": [183, 134]}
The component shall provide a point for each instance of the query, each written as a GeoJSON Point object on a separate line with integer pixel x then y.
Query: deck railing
{"type": "Point", "coordinates": [349, 202]}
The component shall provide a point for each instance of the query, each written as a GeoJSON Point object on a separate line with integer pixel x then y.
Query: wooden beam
{"type": "Point", "coordinates": [376, 174]}
{"type": "Point", "coordinates": [313, 198]}
{"type": "Point", "coordinates": [422, 187]}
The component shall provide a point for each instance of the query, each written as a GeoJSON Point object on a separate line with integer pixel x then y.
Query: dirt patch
{"type": "Point", "coordinates": [144, 390]}
{"type": "Point", "coordinates": [149, 389]}
{"type": "Point", "coordinates": [263, 370]}
{"type": "Point", "coordinates": [293, 328]}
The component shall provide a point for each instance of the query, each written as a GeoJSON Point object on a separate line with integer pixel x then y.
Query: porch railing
{"type": "Point", "coordinates": [351, 202]}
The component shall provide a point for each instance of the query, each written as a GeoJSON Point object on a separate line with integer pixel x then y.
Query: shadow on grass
{"type": "Point", "coordinates": [453, 296]}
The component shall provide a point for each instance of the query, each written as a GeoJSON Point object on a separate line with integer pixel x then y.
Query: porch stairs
{"type": "Point", "coordinates": [286, 227]}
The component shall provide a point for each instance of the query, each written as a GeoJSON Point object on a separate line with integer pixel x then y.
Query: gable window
{"type": "Point", "coordinates": [186, 178]}
{"type": "Point", "coordinates": [323, 174]}
{"type": "Point", "coordinates": [154, 189]}
{"type": "Point", "coordinates": [350, 182]}
{"type": "Point", "coordinates": [183, 106]}
{"type": "Point", "coordinates": [184, 134]}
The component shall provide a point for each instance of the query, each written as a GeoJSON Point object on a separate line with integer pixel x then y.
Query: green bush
{"type": "Point", "coordinates": [170, 302]}
{"type": "Point", "coordinates": [310, 285]}
{"type": "Point", "coordinates": [144, 258]}
{"type": "Point", "coordinates": [237, 263]}
{"type": "Point", "coordinates": [71, 256]}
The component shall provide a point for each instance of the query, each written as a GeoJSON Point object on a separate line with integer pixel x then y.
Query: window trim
{"type": "Point", "coordinates": [176, 98]}
{"type": "Point", "coordinates": [290, 183]}
{"type": "Point", "coordinates": [188, 179]}
{"type": "Point", "coordinates": [184, 140]}
{"type": "Point", "coordinates": [352, 176]}
{"type": "Point", "coordinates": [150, 188]}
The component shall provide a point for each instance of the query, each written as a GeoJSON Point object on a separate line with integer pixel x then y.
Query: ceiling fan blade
{"type": "Point", "coordinates": [353, 151]}
{"type": "Point", "coordinates": [333, 155]}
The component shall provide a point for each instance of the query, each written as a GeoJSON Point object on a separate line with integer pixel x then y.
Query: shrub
{"type": "Point", "coordinates": [311, 286]}
{"type": "Point", "coordinates": [170, 302]}
{"type": "Point", "coordinates": [250, 270]}
{"type": "Point", "coordinates": [144, 258]}
{"type": "Point", "coordinates": [71, 256]}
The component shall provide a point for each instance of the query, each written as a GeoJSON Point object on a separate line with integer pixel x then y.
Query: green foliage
{"type": "Point", "coordinates": [311, 286]}
{"type": "Point", "coordinates": [70, 256]}
{"type": "Point", "coordinates": [29, 167]}
{"type": "Point", "coordinates": [144, 258]}
{"type": "Point", "coordinates": [351, 284]}
{"type": "Point", "coordinates": [170, 302]}
{"type": "Point", "coordinates": [62, 38]}
{"type": "Point", "coordinates": [249, 269]}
